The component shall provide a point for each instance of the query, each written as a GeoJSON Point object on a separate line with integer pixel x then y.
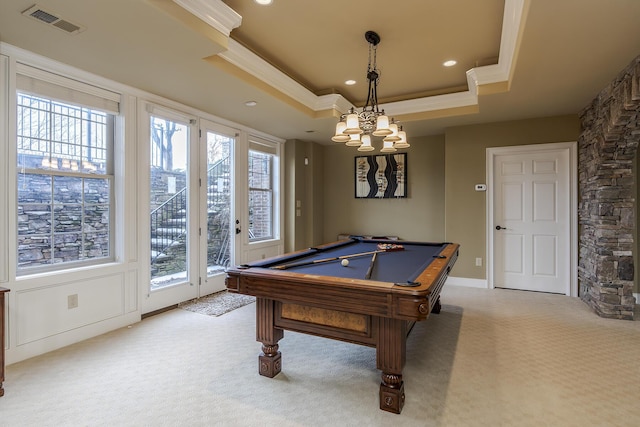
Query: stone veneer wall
{"type": "Point", "coordinates": [607, 147]}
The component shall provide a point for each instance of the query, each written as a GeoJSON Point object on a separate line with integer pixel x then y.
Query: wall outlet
{"type": "Point", "coordinates": [478, 262]}
{"type": "Point", "coordinates": [72, 301]}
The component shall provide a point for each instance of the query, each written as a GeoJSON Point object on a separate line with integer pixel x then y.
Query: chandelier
{"type": "Point", "coordinates": [356, 128]}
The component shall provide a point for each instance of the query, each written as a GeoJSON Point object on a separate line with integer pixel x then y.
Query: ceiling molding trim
{"type": "Point", "coordinates": [447, 101]}
{"type": "Point", "coordinates": [213, 12]}
{"type": "Point", "coordinates": [512, 24]}
{"type": "Point", "coordinates": [431, 103]}
{"type": "Point", "coordinates": [438, 114]}
{"type": "Point", "coordinates": [513, 20]}
{"type": "Point", "coordinates": [248, 61]}
{"type": "Point", "coordinates": [332, 102]}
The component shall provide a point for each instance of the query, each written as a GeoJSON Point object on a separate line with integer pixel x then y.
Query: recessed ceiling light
{"type": "Point", "coordinates": [449, 63]}
{"type": "Point", "coordinates": [264, 2]}
{"type": "Point", "coordinates": [350, 82]}
{"type": "Point", "coordinates": [251, 103]}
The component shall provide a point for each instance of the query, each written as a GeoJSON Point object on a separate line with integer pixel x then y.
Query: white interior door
{"type": "Point", "coordinates": [531, 221]}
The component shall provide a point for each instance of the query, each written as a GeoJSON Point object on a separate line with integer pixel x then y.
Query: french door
{"type": "Point", "coordinates": [217, 208]}
{"type": "Point", "coordinates": [190, 180]}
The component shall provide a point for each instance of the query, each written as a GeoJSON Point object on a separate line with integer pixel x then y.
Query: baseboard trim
{"type": "Point", "coordinates": [470, 283]}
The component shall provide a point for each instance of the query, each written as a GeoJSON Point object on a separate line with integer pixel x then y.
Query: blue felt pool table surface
{"type": "Point", "coordinates": [396, 266]}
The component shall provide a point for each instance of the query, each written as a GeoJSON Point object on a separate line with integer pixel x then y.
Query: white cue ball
{"type": "Point", "coordinates": [344, 262]}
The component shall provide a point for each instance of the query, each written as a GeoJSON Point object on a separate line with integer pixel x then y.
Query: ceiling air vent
{"type": "Point", "coordinates": [50, 18]}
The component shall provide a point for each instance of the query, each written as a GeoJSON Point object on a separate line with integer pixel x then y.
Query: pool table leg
{"type": "Point", "coordinates": [437, 306]}
{"type": "Point", "coordinates": [270, 361]}
{"type": "Point", "coordinates": [391, 356]}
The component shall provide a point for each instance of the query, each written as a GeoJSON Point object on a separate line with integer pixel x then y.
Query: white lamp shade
{"type": "Point", "coordinates": [353, 125]}
{"type": "Point", "coordinates": [354, 141]}
{"type": "Point", "coordinates": [366, 143]}
{"type": "Point", "coordinates": [388, 147]}
{"type": "Point", "coordinates": [403, 140]}
{"type": "Point", "coordinates": [382, 126]}
{"type": "Point", "coordinates": [393, 137]}
{"type": "Point", "coordinates": [340, 136]}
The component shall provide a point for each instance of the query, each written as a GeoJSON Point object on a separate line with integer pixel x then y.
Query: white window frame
{"type": "Point", "coordinates": [270, 190]}
{"type": "Point", "coordinates": [265, 146]}
{"type": "Point", "coordinates": [37, 82]}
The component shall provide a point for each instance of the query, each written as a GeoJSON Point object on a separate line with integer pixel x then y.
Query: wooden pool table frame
{"type": "Point", "coordinates": [366, 312]}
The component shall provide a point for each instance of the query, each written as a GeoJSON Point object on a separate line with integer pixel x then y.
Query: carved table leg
{"type": "Point", "coordinates": [391, 357]}
{"type": "Point", "coordinates": [270, 361]}
{"type": "Point", "coordinates": [392, 393]}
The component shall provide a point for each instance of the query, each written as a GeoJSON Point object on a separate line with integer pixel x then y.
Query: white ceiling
{"type": "Point", "coordinates": [553, 59]}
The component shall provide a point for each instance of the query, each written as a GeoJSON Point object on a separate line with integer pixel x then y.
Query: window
{"type": "Point", "coordinates": [65, 181]}
{"type": "Point", "coordinates": [261, 195]}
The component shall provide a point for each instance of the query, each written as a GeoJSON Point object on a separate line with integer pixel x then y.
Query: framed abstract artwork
{"type": "Point", "coordinates": [381, 176]}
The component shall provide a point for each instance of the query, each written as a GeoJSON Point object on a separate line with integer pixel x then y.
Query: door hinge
{"type": "Point", "coordinates": [199, 281]}
{"type": "Point", "coordinates": [200, 231]}
{"type": "Point", "coordinates": [199, 133]}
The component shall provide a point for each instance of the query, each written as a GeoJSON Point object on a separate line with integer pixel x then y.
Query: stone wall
{"type": "Point", "coordinates": [74, 211]}
{"type": "Point", "coordinates": [607, 210]}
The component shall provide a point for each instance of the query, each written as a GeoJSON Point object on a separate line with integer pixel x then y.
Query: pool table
{"type": "Point", "coordinates": [311, 291]}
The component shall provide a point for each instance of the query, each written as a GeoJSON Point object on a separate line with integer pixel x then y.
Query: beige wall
{"type": "Point", "coordinates": [420, 216]}
{"type": "Point", "coordinates": [304, 194]}
{"type": "Point", "coordinates": [465, 158]}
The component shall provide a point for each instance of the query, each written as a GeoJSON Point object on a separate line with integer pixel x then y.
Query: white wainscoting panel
{"type": "Point", "coordinates": [44, 312]}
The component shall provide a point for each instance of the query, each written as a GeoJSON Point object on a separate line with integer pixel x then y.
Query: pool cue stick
{"type": "Point", "coordinates": [318, 261]}
{"type": "Point", "coordinates": [370, 270]}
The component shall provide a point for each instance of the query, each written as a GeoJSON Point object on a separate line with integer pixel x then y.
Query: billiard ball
{"type": "Point", "coordinates": [344, 262]}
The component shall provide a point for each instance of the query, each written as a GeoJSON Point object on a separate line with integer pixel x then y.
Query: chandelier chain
{"type": "Point", "coordinates": [373, 76]}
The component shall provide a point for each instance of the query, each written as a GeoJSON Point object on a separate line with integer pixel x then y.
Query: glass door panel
{"type": "Point", "coordinates": [169, 203]}
{"type": "Point", "coordinates": [218, 143]}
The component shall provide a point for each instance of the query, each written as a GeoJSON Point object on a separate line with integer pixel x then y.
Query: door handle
{"type": "Point", "coordinates": [500, 228]}
{"type": "Point", "coordinates": [238, 231]}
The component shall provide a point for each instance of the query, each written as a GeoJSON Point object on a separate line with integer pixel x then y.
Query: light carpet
{"type": "Point", "coordinates": [217, 304]}
{"type": "Point", "coordinates": [490, 358]}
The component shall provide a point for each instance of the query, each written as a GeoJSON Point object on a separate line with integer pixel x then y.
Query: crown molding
{"type": "Point", "coordinates": [213, 12]}
{"type": "Point", "coordinates": [512, 25]}
{"type": "Point", "coordinates": [246, 60]}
